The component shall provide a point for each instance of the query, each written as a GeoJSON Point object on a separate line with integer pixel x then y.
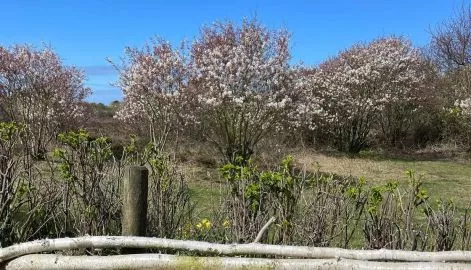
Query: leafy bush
{"type": "Point", "coordinates": [255, 196]}
{"type": "Point", "coordinates": [91, 185]}
{"type": "Point", "coordinates": [332, 210]}
{"type": "Point", "coordinates": [28, 196]}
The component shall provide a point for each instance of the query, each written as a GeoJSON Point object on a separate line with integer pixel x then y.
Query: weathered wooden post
{"type": "Point", "coordinates": [134, 219]}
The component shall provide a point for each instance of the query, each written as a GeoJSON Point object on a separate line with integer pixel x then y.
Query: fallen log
{"type": "Point", "coordinates": [164, 261]}
{"type": "Point", "coordinates": [256, 249]}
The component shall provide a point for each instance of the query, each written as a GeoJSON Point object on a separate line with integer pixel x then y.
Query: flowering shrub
{"type": "Point", "coordinates": [305, 113]}
{"type": "Point", "coordinates": [378, 81]}
{"type": "Point", "coordinates": [152, 80]}
{"type": "Point", "coordinates": [37, 89]}
{"type": "Point", "coordinates": [240, 80]}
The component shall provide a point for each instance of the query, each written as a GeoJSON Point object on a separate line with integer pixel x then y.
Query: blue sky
{"type": "Point", "coordinates": [86, 32]}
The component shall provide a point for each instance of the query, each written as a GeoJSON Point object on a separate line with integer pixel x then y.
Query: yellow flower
{"type": "Point", "coordinates": [226, 224]}
{"type": "Point", "coordinates": [204, 224]}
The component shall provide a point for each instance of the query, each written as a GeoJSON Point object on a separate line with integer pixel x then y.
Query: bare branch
{"type": "Point", "coordinates": [264, 228]}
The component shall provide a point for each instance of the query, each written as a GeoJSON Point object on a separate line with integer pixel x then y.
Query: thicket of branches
{"type": "Point", "coordinates": [76, 191]}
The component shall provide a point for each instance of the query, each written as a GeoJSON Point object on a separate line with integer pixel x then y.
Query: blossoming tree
{"type": "Point", "coordinates": [241, 81]}
{"type": "Point", "coordinates": [38, 90]}
{"type": "Point", "coordinates": [376, 83]}
{"type": "Point", "coordinates": [152, 80]}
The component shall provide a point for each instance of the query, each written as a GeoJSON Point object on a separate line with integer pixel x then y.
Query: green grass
{"type": "Point", "coordinates": [205, 187]}
{"type": "Point", "coordinates": [443, 178]}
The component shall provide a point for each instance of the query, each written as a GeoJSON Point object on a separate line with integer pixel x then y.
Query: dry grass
{"type": "Point", "coordinates": [445, 178]}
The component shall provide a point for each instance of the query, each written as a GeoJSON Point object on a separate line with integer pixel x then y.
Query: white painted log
{"type": "Point", "coordinates": [164, 261]}
{"type": "Point", "coordinates": [49, 245]}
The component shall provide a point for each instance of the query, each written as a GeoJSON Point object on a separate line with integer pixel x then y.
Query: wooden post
{"type": "Point", "coordinates": [134, 219]}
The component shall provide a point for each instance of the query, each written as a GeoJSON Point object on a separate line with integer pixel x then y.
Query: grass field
{"type": "Point", "coordinates": [443, 178]}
